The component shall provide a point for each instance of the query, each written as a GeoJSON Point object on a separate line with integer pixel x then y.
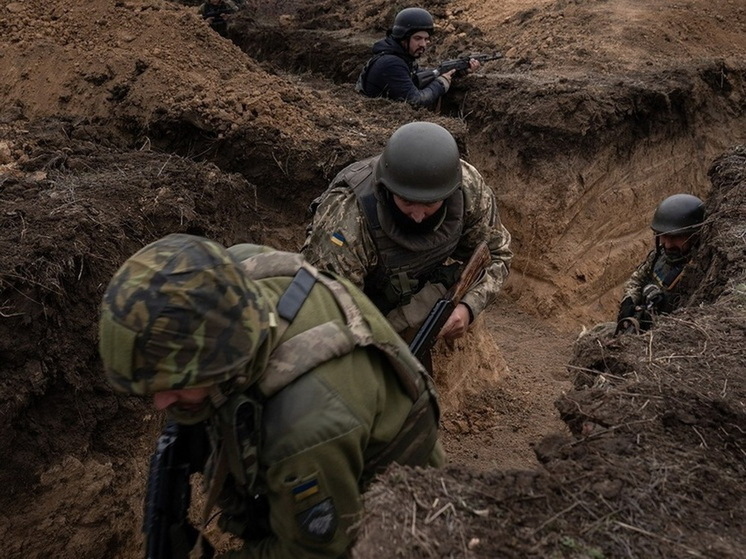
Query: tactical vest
{"type": "Point", "coordinates": [239, 425]}
{"type": "Point", "coordinates": [404, 260]}
{"type": "Point", "coordinates": [667, 275]}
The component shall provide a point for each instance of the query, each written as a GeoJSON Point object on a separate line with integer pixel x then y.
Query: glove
{"type": "Point", "coordinates": [627, 309]}
{"type": "Point", "coordinates": [183, 537]}
{"type": "Point", "coordinates": [653, 296]}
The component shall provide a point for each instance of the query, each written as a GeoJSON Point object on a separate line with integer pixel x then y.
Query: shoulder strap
{"type": "Point", "coordinates": [362, 79]}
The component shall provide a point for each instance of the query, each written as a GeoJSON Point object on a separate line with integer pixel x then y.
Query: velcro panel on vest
{"type": "Point", "coordinates": [295, 294]}
{"type": "Point", "coordinates": [303, 352]}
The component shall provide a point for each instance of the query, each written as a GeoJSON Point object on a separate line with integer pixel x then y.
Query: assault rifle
{"type": "Point", "coordinates": [642, 318]}
{"type": "Point", "coordinates": [425, 77]}
{"type": "Point", "coordinates": [178, 454]}
{"type": "Point", "coordinates": [426, 336]}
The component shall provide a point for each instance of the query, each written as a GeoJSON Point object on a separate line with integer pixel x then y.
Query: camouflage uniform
{"type": "Point", "coordinates": [341, 240]}
{"type": "Point", "coordinates": [336, 404]}
{"type": "Point", "coordinates": [659, 271]}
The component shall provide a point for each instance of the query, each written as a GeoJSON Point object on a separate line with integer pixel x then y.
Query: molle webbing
{"type": "Point", "coordinates": [291, 359]}
{"type": "Point", "coordinates": [404, 260]}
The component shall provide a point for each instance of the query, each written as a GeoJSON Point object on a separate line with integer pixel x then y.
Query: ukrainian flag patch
{"type": "Point", "coordinates": [305, 490]}
{"type": "Point", "coordinates": [338, 239]}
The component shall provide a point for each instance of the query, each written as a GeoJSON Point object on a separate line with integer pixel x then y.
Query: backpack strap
{"type": "Point", "coordinates": [303, 352]}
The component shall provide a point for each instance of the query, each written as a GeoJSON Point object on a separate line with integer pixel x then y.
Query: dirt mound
{"type": "Point", "coordinates": [656, 463]}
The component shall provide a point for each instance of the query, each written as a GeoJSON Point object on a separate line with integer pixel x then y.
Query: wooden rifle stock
{"type": "Point", "coordinates": [427, 335]}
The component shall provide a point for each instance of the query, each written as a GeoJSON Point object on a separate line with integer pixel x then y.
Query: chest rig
{"type": "Point", "coordinates": [405, 261]}
{"type": "Point", "coordinates": [667, 275]}
{"type": "Point", "coordinates": [237, 433]}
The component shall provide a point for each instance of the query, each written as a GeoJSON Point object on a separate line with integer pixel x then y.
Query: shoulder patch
{"type": "Point", "coordinates": [319, 522]}
{"type": "Point", "coordinates": [306, 489]}
{"type": "Point", "coordinates": [338, 239]}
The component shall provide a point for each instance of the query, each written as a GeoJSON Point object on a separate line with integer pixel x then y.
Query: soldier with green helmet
{"type": "Point", "coordinates": [397, 224]}
{"type": "Point", "coordinates": [652, 288]}
{"type": "Point", "coordinates": [303, 388]}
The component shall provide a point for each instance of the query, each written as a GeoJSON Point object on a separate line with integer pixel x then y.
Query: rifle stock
{"type": "Point", "coordinates": [177, 455]}
{"type": "Point", "coordinates": [427, 335]}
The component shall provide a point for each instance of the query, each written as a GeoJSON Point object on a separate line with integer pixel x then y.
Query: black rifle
{"type": "Point", "coordinates": [642, 319]}
{"type": "Point", "coordinates": [427, 335]}
{"type": "Point", "coordinates": [425, 77]}
{"type": "Point", "coordinates": [178, 454]}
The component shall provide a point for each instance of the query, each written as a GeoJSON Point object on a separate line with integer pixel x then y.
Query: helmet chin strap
{"type": "Point", "coordinates": [674, 256]}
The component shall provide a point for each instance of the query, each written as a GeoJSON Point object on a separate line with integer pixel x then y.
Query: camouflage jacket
{"type": "Point", "coordinates": [323, 433]}
{"type": "Point", "coordinates": [658, 271]}
{"type": "Point", "coordinates": [340, 241]}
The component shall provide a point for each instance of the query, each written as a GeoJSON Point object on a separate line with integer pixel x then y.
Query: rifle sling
{"type": "Point", "coordinates": [216, 484]}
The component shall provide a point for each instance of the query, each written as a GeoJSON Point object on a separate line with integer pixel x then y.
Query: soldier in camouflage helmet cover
{"type": "Point", "coordinates": [207, 330]}
{"type": "Point", "coordinates": [392, 223]}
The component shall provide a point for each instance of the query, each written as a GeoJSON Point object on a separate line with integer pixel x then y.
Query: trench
{"type": "Point", "coordinates": [577, 167]}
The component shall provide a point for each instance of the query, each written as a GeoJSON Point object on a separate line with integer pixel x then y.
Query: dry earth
{"type": "Point", "coordinates": [122, 121]}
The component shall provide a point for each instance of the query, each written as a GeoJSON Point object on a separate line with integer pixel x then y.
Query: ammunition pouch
{"type": "Point", "coordinates": [399, 289]}
{"type": "Point", "coordinates": [446, 275]}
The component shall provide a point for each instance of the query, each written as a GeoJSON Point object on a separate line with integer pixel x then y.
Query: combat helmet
{"type": "Point", "coordinates": [411, 20]}
{"type": "Point", "coordinates": [180, 313]}
{"type": "Point", "coordinates": [420, 163]}
{"type": "Point", "coordinates": [680, 214]}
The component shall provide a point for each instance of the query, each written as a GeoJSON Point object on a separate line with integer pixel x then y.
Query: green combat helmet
{"type": "Point", "coordinates": [420, 163]}
{"type": "Point", "coordinates": [680, 214]}
{"type": "Point", "coordinates": [180, 313]}
{"type": "Point", "coordinates": [411, 20]}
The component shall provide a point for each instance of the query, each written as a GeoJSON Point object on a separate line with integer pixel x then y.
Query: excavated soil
{"type": "Point", "coordinates": [123, 121]}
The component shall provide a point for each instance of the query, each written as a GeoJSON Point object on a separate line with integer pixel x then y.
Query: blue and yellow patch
{"type": "Point", "coordinates": [305, 490]}
{"type": "Point", "coordinates": [338, 239]}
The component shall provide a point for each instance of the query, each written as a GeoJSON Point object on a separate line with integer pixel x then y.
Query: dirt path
{"type": "Point", "coordinates": [496, 429]}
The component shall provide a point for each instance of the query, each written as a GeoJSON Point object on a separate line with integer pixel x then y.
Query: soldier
{"type": "Point", "coordinates": [304, 389]}
{"type": "Point", "coordinates": [216, 12]}
{"type": "Point", "coordinates": [392, 224]}
{"type": "Point", "coordinates": [391, 71]}
{"type": "Point", "coordinates": [651, 289]}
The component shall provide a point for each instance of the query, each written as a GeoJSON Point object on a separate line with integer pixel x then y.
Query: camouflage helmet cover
{"type": "Point", "coordinates": [411, 20]}
{"type": "Point", "coordinates": [680, 214]}
{"type": "Point", "coordinates": [180, 313]}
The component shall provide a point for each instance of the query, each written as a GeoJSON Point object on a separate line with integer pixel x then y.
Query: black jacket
{"type": "Point", "coordinates": [390, 73]}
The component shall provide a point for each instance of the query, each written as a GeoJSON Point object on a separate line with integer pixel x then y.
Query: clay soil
{"type": "Point", "coordinates": [122, 121]}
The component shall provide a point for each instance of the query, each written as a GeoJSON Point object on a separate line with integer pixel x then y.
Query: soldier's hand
{"type": "Point", "coordinates": [627, 308]}
{"type": "Point", "coordinates": [457, 323]}
{"type": "Point", "coordinates": [474, 65]}
{"type": "Point", "coordinates": [449, 75]}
